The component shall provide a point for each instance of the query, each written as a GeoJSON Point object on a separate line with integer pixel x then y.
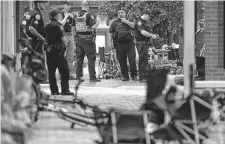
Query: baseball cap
{"type": "Point", "coordinates": [54, 12]}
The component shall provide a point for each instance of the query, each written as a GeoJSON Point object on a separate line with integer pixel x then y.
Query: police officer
{"type": "Point", "coordinates": [36, 26]}
{"type": "Point", "coordinates": [55, 53]}
{"type": "Point", "coordinates": [25, 35]}
{"type": "Point", "coordinates": [85, 25]}
{"type": "Point", "coordinates": [142, 37]}
{"type": "Point", "coordinates": [67, 19]}
{"type": "Point", "coordinates": [25, 22]}
{"type": "Point", "coordinates": [121, 35]}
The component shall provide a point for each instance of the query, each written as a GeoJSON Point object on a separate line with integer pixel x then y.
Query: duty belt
{"type": "Point", "coordinates": [85, 36]}
{"type": "Point", "coordinates": [60, 48]}
{"type": "Point", "coordinates": [49, 47]}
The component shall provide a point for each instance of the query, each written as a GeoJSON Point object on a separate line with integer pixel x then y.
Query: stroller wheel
{"type": "Point", "coordinates": [72, 125]}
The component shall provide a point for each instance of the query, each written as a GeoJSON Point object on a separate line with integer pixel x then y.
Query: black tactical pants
{"type": "Point", "coordinates": [126, 50]}
{"type": "Point", "coordinates": [142, 48]}
{"type": "Point", "coordinates": [87, 48]}
{"type": "Point", "coordinates": [54, 61]}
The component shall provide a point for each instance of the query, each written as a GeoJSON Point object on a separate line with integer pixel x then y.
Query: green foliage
{"type": "Point", "coordinates": [166, 15]}
{"type": "Point", "coordinates": [200, 26]}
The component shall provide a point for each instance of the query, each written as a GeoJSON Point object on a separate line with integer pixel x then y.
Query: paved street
{"type": "Point", "coordinates": [50, 129]}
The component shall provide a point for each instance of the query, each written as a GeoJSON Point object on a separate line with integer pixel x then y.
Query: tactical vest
{"type": "Point", "coordinates": [123, 32]}
{"type": "Point", "coordinates": [81, 26]}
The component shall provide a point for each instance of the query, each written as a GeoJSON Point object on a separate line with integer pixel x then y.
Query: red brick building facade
{"type": "Point", "coordinates": [214, 40]}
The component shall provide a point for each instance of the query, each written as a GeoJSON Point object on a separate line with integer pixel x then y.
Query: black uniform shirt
{"type": "Point", "coordinates": [24, 28]}
{"type": "Point", "coordinates": [140, 25]}
{"type": "Point", "coordinates": [54, 32]}
{"type": "Point", "coordinates": [118, 26]}
{"type": "Point", "coordinates": [37, 22]}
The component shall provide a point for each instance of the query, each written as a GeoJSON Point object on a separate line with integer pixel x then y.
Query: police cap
{"type": "Point", "coordinates": [54, 12]}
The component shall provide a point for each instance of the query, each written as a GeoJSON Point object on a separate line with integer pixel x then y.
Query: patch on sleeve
{"type": "Point", "coordinates": [24, 22]}
{"type": "Point", "coordinates": [36, 22]}
{"type": "Point", "coordinates": [92, 17]}
{"type": "Point", "coordinates": [38, 17]}
{"type": "Point", "coordinates": [139, 23]}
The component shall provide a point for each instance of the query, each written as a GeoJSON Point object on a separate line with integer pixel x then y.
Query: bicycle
{"type": "Point", "coordinates": [82, 118]}
{"type": "Point", "coordinates": [33, 67]}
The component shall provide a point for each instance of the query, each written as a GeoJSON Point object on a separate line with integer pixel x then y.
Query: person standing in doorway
{"type": "Point", "coordinates": [36, 26]}
{"type": "Point", "coordinates": [55, 52]}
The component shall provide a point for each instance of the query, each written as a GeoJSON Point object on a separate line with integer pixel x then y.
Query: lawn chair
{"type": "Point", "coordinates": [126, 127]}
{"type": "Point", "coordinates": [188, 116]}
{"type": "Point", "coordinates": [104, 68]}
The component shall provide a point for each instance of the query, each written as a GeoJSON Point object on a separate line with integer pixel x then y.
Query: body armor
{"type": "Point", "coordinates": [123, 32]}
{"type": "Point", "coordinates": [81, 25]}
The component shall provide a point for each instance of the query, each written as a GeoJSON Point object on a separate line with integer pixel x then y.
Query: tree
{"type": "Point", "coordinates": [200, 26]}
{"type": "Point", "coordinates": [166, 15]}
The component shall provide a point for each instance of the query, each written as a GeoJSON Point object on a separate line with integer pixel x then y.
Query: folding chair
{"type": "Point", "coordinates": [126, 127]}
{"type": "Point", "coordinates": [104, 68]}
{"type": "Point", "coordinates": [115, 65]}
{"type": "Point", "coordinates": [188, 118]}
{"type": "Point", "coordinates": [188, 115]}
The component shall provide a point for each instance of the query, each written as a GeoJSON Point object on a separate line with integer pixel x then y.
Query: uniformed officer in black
{"type": "Point", "coordinates": [142, 37]}
{"type": "Point", "coordinates": [36, 26]}
{"type": "Point", "coordinates": [85, 26]}
{"type": "Point", "coordinates": [24, 34]}
{"type": "Point", "coordinates": [55, 53]}
{"type": "Point", "coordinates": [123, 40]}
{"type": "Point", "coordinates": [24, 25]}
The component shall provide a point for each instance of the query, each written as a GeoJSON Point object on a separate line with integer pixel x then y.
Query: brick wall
{"type": "Point", "coordinates": [214, 52]}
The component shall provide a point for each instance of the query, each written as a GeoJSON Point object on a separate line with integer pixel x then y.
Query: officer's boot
{"type": "Point", "coordinates": [95, 80]}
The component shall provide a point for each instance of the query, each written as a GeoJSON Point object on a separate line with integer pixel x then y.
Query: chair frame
{"type": "Point", "coordinates": [183, 129]}
{"type": "Point", "coordinates": [143, 113]}
{"type": "Point", "coordinates": [111, 67]}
